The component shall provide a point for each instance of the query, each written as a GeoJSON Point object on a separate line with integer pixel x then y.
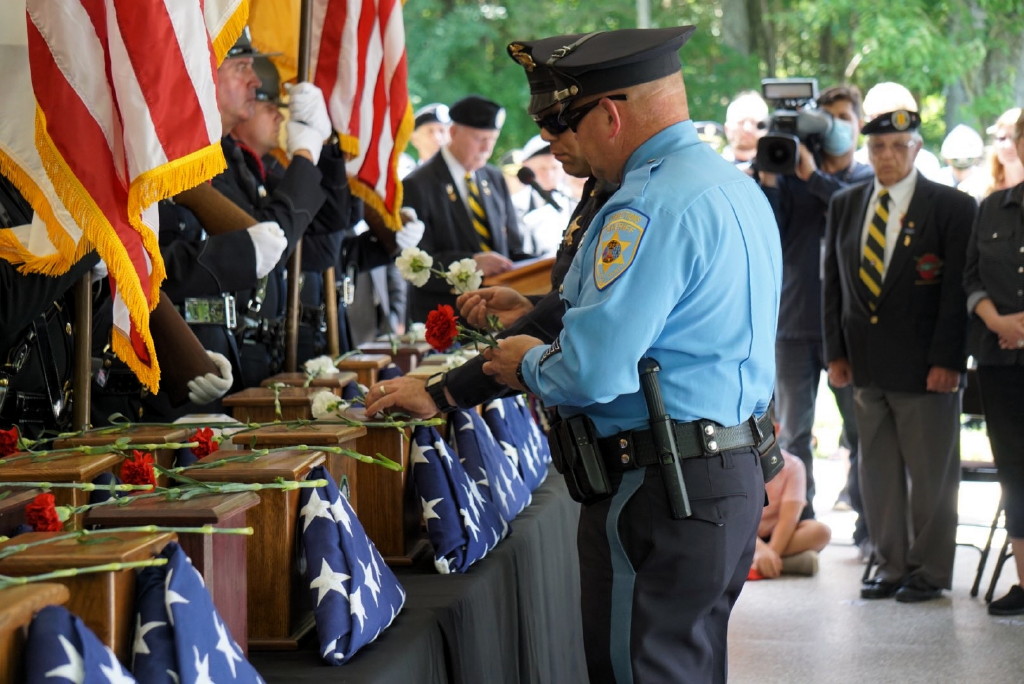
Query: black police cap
{"type": "Point", "coordinates": [602, 62]}
{"type": "Point", "coordinates": [431, 113]}
{"type": "Point", "coordinates": [900, 121]}
{"type": "Point", "coordinates": [243, 47]}
{"type": "Point", "coordinates": [477, 112]}
{"type": "Point", "coordinates": [270, 81]}
{"type": "Point", "coordinates": [532, 55]}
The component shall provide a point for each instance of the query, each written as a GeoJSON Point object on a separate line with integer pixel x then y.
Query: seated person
{"type": "Point", "coordinates": [785, 543]}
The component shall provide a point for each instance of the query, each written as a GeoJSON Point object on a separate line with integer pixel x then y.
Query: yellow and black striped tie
{"type": "Point", "coordinates": [872, 264]}
{"type": "Point", "coordinates": [479, 216]}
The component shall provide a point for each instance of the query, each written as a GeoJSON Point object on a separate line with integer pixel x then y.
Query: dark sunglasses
{"type": "Point", "coordinates": [552, 123]}
{"type": "Point", "coordinates": [573, 117]}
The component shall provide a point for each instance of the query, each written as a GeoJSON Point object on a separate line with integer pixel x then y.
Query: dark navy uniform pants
{"type": "Point", "coordinates": [657, 592]}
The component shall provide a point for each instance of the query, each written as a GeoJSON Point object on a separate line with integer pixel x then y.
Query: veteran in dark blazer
{"type": "Point", "coordinates": [895, 326]}
{"type": "Point", "coordinates": [464, 204]}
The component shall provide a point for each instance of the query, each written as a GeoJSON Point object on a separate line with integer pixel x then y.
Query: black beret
{"type": "Point", "coordinates": [601, 62]}
{"type": "Point", "coordinates": [477, 112]}
{"type": "Point", "coordinates": [531, 55]}
{"type": "Point", "coordinates": [270, 81]}
{"type": "Point", "coordinates": [900, 121]}
{"type": "Point", "coordinates": [431, 113]}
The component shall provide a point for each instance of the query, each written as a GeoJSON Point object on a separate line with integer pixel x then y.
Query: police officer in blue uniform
{"type": "Point", "coordinates": [682, 265]}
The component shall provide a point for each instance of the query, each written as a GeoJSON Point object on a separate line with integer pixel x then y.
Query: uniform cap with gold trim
{"type": "Point", "coordinates": [899, 121]}
{"type": "Point", "coordinates": [532, 55]}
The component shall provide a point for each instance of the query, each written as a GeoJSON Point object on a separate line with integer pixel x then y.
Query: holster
{"type": "Point", "coordinates": [575, 453]}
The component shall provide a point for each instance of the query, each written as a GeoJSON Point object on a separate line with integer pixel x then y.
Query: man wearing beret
{"type": "Point", "coordinates": [464, 203]}
{"type": "Point", "coordinates": [895, 324]}
{"type": "Point", "coordinates": [682, 265]}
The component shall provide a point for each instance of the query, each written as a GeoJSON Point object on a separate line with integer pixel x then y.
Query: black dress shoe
{"type": "Point", "coordinates": [916, 590]}
{"type": "Point", "coordinates": [878, 588]}
{"type": "Point", "coordinates": [1011, 604]}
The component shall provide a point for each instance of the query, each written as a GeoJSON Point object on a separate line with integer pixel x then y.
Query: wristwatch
{"type": "Point", "coordinates": [435, 388]}
{"type": "Point", "coordinates": [520, 378]}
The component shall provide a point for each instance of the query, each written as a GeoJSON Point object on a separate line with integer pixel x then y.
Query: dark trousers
{"type": "Point", "coordinates": [657, 592]}
{"type": "Point", "coordinates": [1002, 393]}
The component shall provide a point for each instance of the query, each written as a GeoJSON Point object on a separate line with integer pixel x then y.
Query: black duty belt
{"type": "Point", "coordinates": [633, 449]}
{"type": "Point", "coordinates": [212, 310]}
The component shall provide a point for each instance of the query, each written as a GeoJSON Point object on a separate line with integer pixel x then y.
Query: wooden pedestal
{"type": "Point", "coordinates": [391, 513]}
{"type": "Point", "coordinates": [12, 508]}
{"type": "Point", "coordinates": [406, 355]}
{"type": "Point", "coordinates": [279, 605]}
{"type": "Point", "coordinates": [335, 382]}
{"type": "Point", "coordinates": [365, 366]}
{"type": "Point", "coordinates": [316, 434]}
{"type": "Point", "coordinates": [104, 600]}
{"type": "Point", "coordinates": [18, 605]}
{"type": "Point", "coordinates": [138, 434]}
{"type": "Point", "coordinates": [69, 467]}
{"type": "Point", "coordinates": [257, 404]}
{"type": "Point", "coordinates": [219, 558]}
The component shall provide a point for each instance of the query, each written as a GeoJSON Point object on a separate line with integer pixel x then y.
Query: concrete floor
{"type": "Point", "coordinates": [817, 629]}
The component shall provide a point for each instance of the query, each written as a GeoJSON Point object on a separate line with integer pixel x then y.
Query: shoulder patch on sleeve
{"type": "Point", "coordinates": [617, 244]}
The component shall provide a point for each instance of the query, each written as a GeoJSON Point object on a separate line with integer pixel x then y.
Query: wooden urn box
{"type": "Point", "coordinates": [279, 606]}
{"type": "Point", "coordinates": [104, 600]}
{"type": "Point", "coordinates": [367, 367]}
{"type": "Point", "coordinates": [406, 355]}
{"type": "Point", "coordinates": [259, 404]}
{"type": "Point", "coordinates": [18, 605]}
{"type": "Point", "coordinates": [138, 434]}
{"type": "Point", "coordinates": [219, 558]}
{"type": "Point", "coordinates": [65, 467]}
{"type": "Point", "coordinates": [335, 382]}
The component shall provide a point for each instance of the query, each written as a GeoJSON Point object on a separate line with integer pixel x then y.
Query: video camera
{"type": "Point", "coordinates": [795, 120]}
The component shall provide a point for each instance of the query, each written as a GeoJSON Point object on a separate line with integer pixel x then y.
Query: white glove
{"type": "Point", "coordinates": [270, 243]}
{"type": "Point", "coordinates": [411, 231]}
{"type": "Point", "coordinates": [99, 271]}
{"type": "Point", "coordinates": [306, 104]}
{"type": "Point", "coordinates": [303, 137]}
{"type": "Point", "coordinates": [203, 389]}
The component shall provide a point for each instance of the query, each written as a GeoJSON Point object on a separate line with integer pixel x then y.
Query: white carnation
{"type": "Point", "coordinates": [414, 265]}
{"type": "Point", "coordinates": [321, 365]}
{"type": "Point", "coordinates": [464, 276]}
{"type": "Point", "coordinates": [324, 403]}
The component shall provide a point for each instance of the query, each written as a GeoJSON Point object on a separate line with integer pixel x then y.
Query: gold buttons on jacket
{"type": "Point", "coordinates": [873, 319]}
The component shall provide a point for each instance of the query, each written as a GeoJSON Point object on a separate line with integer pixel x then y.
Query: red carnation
{"type": "Point", "coordinates": [442, 328]}
{"type": "Point", "coordinates": [207, 444]}
{"type": "Point", "coordinates": [41, 514]}
{"type": "Point", "coordinates": [138, 469]}
{"type": "Point", "coordinates": [8, 441]}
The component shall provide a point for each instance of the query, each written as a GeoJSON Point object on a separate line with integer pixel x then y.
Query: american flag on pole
{"type": "Point", "coordinates": [60, 648]}
{"type": "Point", "coordinates": [109, 106]}
{"type": "Point", "coordinates": [355, 594]}
{"type": "Point", "coordinates": [520, 437]}
{"type": "Point", "coordinates": [462, 525]}
{"type": "Point", "coordinates": [179, 635]}
{"type": "Point", "coordinates": [357, 57]}
{"type": "Point", "coordinates": [486, 463]}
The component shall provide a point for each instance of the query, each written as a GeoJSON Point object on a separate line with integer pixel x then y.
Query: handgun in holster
{"type": "Point", "coordinates": [576, 456]}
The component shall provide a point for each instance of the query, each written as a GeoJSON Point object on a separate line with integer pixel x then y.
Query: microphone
{"type": "Point", "coordinates": [526, 176]}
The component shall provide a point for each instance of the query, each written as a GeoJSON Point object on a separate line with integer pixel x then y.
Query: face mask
{"type": "Point", "coordinates": [839, 139]}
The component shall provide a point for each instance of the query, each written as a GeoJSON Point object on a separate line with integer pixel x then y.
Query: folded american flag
{"type": "Point", "coordinates": [355, 594]}
{"type": "Point", "coordinates": [486, 463]}
{"type": "Point", "coordinates": [514, 427]}
{"type": "Point", "coordinates": [60, 648]}
{"type": "Point", "coordinates": [179, 635]}
{"type": "Point", "coordinates": [461, 524]}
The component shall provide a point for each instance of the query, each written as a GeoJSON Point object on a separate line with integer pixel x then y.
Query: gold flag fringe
{"type": "Point", "coordinates": [229, 33]}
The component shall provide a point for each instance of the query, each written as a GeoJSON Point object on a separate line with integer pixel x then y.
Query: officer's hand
{"type": "Point", "coordinates": [99, 271]}
{"type": "Point", "coordinates": [503, 360]}
{"type": "Point", "coordinates": [840, 374]}
{"type": "Point", "coordinates": [270, 243]}
{"type": "Point", "coordinates": [203, 389]}
{"type": "Point", "coordinates": [411, 231]}
{"type": "Point", "coordinates": [492, 263]}
{"type": "Point", "coordinates": [503, 302]}
{"type": "Point", "coordinates": [306, 104]}
{"type": "Point", "coordinates": [404, 392]}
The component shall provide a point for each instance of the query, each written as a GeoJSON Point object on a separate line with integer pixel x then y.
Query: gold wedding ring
{"type": "Point", "coordinates": [383, 389]}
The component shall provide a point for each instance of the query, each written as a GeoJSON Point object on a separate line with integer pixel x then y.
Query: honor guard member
{"type": "Point", "coordinates": [682, 266]}
{"type": "Point", "coordinates": [541, 316]}
{"type": "Point", "coordinates": [464, 203]}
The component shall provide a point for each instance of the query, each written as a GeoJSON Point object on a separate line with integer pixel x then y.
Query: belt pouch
{"type": "Point", "coordinates": [575, 453]}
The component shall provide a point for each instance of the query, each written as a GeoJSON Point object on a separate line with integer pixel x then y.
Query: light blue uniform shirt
{"type": "Point", "coordinates": [682, 264]}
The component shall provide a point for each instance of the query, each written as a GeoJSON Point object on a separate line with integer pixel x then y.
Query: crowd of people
{"type": "Point", "coordinates": [690, 286]}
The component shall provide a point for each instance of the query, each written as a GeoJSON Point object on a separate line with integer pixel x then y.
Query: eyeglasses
{"type": "Point", "coordinates": [1003, 139]}
{"type": "Point", "coordinates": [877, 147]}
{"type": "Point", "coordinates": [574, 117]}
{"type": "Point", "coordinates": [552, 123]}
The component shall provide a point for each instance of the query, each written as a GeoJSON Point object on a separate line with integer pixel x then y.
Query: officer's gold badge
{"type": "Point", "coordinates": [617, 245]}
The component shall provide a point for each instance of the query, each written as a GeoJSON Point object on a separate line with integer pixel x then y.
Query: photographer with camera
{"type": "Point", "coordinates": [813, 165]}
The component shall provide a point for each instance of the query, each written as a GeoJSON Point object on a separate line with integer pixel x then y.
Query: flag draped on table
{"type": "Point", "coordinates": [486, 463]}
{"type": "Point", "coordinates": [462, 525]}
{"type": "Point", "coordinates": [355, 594]}
{"type": "Point", "coordinates": [516, 430]}
{"type": "Point", "coordinates": [109, 106]}
{"type": "Point", "coordinates": [357, 57]}
{"type": "Point", "coordinates": [60, 648]}
{"type": "Point", "coordinates": [179, 635]}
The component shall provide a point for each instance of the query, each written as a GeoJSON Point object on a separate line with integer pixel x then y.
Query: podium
{"type": "Point", "coordinates": [18, 605]}
{"type": "Point", "coordinates": [532, 277]}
